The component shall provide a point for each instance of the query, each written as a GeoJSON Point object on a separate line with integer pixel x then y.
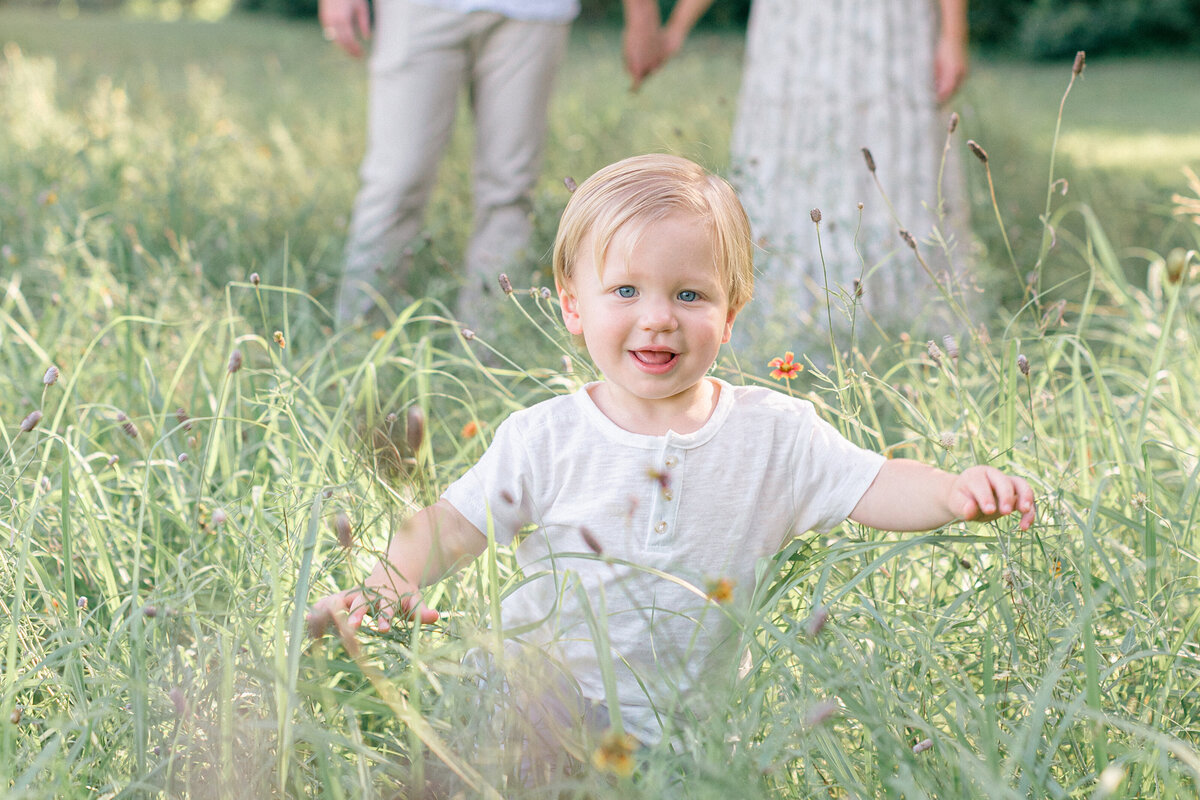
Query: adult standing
{"type": "Point", "coordinates": [424, 52]}
{"type": "Point", "coordinates": [822, 81]}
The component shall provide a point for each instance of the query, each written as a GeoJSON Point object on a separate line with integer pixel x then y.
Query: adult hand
{"type": "Point", "coordinates": [949, 65]}
{"type": "Point", "coordinates": [346, 22]}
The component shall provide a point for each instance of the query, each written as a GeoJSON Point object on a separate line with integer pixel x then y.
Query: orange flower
{"type": "Point", "coordinates": [469, 430]}
{"type": "Point", "coordinates": [615, 754]}
{"type": "Point", "coordinates": [785, 368]}
{"type": "Point", "coordinates": [720, 590]}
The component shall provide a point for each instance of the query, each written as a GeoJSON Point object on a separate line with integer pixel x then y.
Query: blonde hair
{"type": "Point", "coordinates": [645, 189]}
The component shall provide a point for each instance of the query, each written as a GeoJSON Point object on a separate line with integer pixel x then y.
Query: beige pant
{"type": "Point", "coordinates": [422, 58]}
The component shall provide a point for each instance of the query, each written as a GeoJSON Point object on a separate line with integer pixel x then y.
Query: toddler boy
{"type": "Point", "coordinates": [648, 498]}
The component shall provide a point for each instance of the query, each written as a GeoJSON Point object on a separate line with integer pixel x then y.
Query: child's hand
{"type": "Point", "coordinates": [381, 601]}
{"type": "Point", "coordinates": [982, 494]}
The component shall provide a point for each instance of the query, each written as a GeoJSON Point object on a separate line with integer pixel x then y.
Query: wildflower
{"type": "Point", "coordinates": [51, 376]}
{"type": "Point", "coordinates": [470, 430]}
{"type": "Point", "coordinates": [590, 540]}
{"type": "Point", "coordinates": [870, 159]}
{"type": "Point", "coordinates": [948, 440]}
{"type": "Point", "coordinates": [821, 712]}
{"type": "Point", "coordinates": [816, 622]}
{"type": "Point", "coordinates": [615, 753]}
{"type": "Point", "coordinates": [235, 361]}
{"type": "Point", "coordinates": [1023, 364]}
{"type": "Point", "coordinates": [1138, 501]}
{"type": "Point", "coordinates": [31, 421]}
{"type": "Point", "coordinates": [219, 517]}
{"type": "Point", "coordinates": [815, 214]}
{"type": "Point", "coordinates": [254, 279]}
{"type": "Point", "coordinates": [279, 340]}
{"type": "Point", "coordinates": [183, 419]}
{"type": "Point", "coordinates": [505, 284]}
{"type": "Point", "coordinates": [569, 182]}
{"type": "Point", "coordinates": [82, 603]}
{"type": "Point", "coordinates": [934, 352]}
{"type": "Point", "coordinates": [720, 590]}
{"type": "Point", "coordinates": [414, 427]}
{"type": "Point", "coordinates": [1056, 568]}
{"type": "Point", "coordinates": [951, 346]}
{"type": "Point", "coordinates": [183, 457]}
{"type": "Point", "coordinates": [977, 151]}
{"type": "Point", "coordinates": [785, 368]}
{"type": "Point", "coordinates": [546, 293]}
{"type": "Point", "coordinates": [112, 460]}
{"type": "Point", "coordinates": [1077, 67]}
{"type": "Point", "coordinates": [342, 529]}
{"type": "Point", "coordinates": [468, 334]}
{"type": "Point", "coordinates": [922, 746]}
{"type": "Point", "coordinates": [391, 418]}
{"type": "Point", "coordinates": [953, 125]}
{"type": "Point", "coordinates": [378, 334]}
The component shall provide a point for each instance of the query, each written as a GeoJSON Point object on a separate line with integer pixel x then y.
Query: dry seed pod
{"type": "Point", "coordinates": [1077, 67]}
{"type": "Point", "coordinates": [183, 419]}
{"type": "Point", "coordinates": [51, 376]}
{"type": "Point", "coordinates": [569, 182]}
{"type": "Point", "coordinates": [977, 151]}
{"type": "Point", "coordinates": [815, 215]}
{"type": "Point", "coordinates": [342, 529]}
{"type": "Point", "coordinates": [953, 124]}
{"type": "Point", "coordinates": [1023, 364]}
{"type": "Point", "coordinates": [235, 360]}
{"type": "Point", "coordinates": [870, 159]}
{"type": "Point", "coordinates": [505, 284]}
{"type": "Point", "coordinates": [30, 422]}
{"type": "Point", "coordinates": [254, 279]}
{"type": "Point", "coordinates": [908, 238]}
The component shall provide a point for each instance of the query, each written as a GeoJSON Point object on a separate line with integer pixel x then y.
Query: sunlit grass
{"type": "Point", "coordinates": [175, 509]}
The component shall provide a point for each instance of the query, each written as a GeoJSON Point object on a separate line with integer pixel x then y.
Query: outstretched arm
{"type": "Point", "coordinates": [435, 541]}
{"type": "Point", "coordinates": [684, 17]}
{"type": "Point", "coordinates": [907, 495]}
{"type": "Point", "coordinates": [950, 54]}
{"type": "Point", "coordinates": [642, 40]}
{"type": "Point", "coordinates": [346, 22]}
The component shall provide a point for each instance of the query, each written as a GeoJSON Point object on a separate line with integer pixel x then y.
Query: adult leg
{"type": "Point", "coordinates": [512, 80]}
{"type": "Point", "coordinates": [417, 67]}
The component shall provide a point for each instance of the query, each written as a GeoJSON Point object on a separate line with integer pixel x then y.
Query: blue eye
{"type": "Point", "coordinates": [688, 296]}
{"type": "Point", "coordinates": [626, 291]}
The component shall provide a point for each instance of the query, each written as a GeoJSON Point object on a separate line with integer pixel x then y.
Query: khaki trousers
{"type": "Point", "coordinates": [422, 59]}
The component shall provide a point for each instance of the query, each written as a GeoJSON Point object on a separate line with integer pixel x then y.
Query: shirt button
{"type": "Point", "coordinates": [661, 527]}
{"type": "Point", "coordinates": [671, 461]}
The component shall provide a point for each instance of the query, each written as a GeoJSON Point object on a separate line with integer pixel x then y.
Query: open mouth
{"type": "Point", "coordinates": [654, 360]}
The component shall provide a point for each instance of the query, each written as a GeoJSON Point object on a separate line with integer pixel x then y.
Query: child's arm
{"type": "Point", "coordinates": [435, 541]}
{"type": "Point", "coordinates": [907, 495]}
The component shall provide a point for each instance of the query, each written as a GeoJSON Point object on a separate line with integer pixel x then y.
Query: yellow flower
{"type": "Point", "coordinates": [615, 754]}
{"type": "Point", "coordinates": [469, 430]}
{"type": "Point", "coordinates": [720, 590]}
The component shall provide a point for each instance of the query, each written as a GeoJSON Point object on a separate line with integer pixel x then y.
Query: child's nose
{"type": "Point", "coordinates": [659, 315]}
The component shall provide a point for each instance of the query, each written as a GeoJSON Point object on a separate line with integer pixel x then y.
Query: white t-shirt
{"type": "Point", "coordinates": [529, 10]}
{"type": "Point", "coordinates": [673, 516]}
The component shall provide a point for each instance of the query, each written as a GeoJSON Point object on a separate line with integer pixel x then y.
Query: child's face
{"type": "Point", "coordinates": [654, 322]}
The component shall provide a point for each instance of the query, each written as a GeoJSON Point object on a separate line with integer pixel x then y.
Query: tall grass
{"type": "Point", "coordinates": [176, 507]}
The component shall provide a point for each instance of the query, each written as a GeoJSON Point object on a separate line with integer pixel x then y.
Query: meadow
{"type": "Point", "coordinates": [192, 452]}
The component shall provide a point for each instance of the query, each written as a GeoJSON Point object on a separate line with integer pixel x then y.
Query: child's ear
{"type": "Point", "coordinates": [729, 318]}
{"type": "Point", "coordinates": [570, 310]}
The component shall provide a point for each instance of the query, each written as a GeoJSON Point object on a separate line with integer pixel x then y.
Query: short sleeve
{"type": "Point", "coordinates": [832, 474]}
{"type": "Point", "coordinates": [498, 488]}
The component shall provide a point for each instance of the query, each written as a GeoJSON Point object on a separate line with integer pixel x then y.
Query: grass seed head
{"type": "Point", "coordinates": [254, 279]}
{"type": "Point", "coordinates": [468, 334]}
{"type": "Point", "coordinates": [343, 530]}
{"type": "Point", "coordinates": [30, 422]}
{"type": "Point", "coordinates": [977, 151]}
{"type": "Point", "coordinates": [183, 457]}
{"type": "Point", "coordinates": [909, 239]}
{"type": "Point", "coordinates": [183, 419]}
{"type": "Point", "coordinates": [51, 376]}
{"type": "Point", "coordinates": [235, 360]}
{"type": "Point", "coordinates": [569, 182]}
{"type": "Point", "coordinates": [590, 540]}
{"type": "Point", "coordinates": [922, 746]}
{"type": "Point", "coordinates": [127, 426]}
{"type": "Point", "coordinates": [414, 428]}
{"type": "Point", "coordinates": [816, 621]}
{"type": "Point", "coordinates": [279, 340]}
{"type": "Point", "coordinates": [178, 700]}
{"type": "Point", "coordinates": [870, 159]}
{"type": "Point", "coordinates": [505, 284]}
{"type": "Point", "coordinates": [815, 215]}
{"type": "Point", "coordinates": [1023, 364]}
{"type": "Point", "coordinates": [953, 124]}
{"type": "Point", "coordinates": [951, 345]}
{"type": "Point", "coordinates": [934, 352]}
{"type": "Point", "coordinates": [1176, 263]}
{"type": "Point", "coordinates": [1077, 67]}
